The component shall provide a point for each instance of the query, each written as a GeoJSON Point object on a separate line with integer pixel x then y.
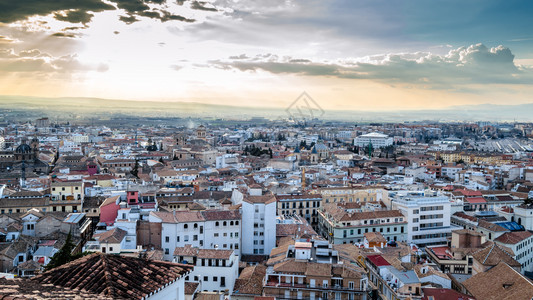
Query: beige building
{"type": "Point", "coordinates": [353, 194]}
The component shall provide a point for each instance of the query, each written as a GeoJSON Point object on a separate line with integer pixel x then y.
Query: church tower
{"type": "Point", "coordinates": [201, 133]}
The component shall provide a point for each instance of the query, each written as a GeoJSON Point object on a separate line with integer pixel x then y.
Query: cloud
{"type": "Point", "coordinates": [201, 6]}
{"type": "Point", "coordinates": [74, 16]}
{"type": "Point", "coordinates": [465, 65]}
{"type": "Point", "coordinates": [11, 11]}
{"type": "Point", "coordinates": [35, 61]}
{"type": "Point", "coordinates": [82, 11]}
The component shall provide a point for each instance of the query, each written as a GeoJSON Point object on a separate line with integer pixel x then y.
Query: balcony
{"type": "Point", "coordinates": [316, 287]}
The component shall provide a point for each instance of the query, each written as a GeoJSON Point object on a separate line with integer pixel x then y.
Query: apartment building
{"type": "Point", "coordinates": [353, 194]}
{"type": "Point", "coordinates": [519, 244]}
{"type": "Point", "coordinates": [341, 225]}
{"type": "Point", "coordinates": [427, 214]}
{"type": "Point", "coordinates": [216, 270]}
{"type": "Point", "coordinates": [303, 205]}
{"type": "Point", "coordinates": [312, 270]}
{"type": "Point", "coordinates": [210, 229]}
{"type": "Point", "coordinates": [258, 224]}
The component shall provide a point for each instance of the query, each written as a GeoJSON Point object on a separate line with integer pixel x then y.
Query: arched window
{"type": "Point", "coordinates": [231, 223]}
{"type": "Point", "coordinates": [217, 224]}
{"type": "Point", "coordinates": [224, 223]}
{"type": "Point", "coordinates": [236, 223]}
{"type": "Point", "coordinates": [185, 226]}
{"type": "Point", "coordinates": [195, 225]}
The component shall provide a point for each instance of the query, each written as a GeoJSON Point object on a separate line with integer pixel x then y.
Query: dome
{"type": "Point", "coordinates": [321, 147]}
{"type": "Point", "coordinates": [23, 148]}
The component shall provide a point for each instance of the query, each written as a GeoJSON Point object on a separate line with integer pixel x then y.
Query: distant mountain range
{"type": "Point", "coordinates": [91, 108]}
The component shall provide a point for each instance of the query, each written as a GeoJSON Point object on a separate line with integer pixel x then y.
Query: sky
{"type": "Point", "coordinates": [346, 54]}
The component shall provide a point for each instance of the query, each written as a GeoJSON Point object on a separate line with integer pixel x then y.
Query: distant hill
{"type": "Point", "coordinates": [84, 108]}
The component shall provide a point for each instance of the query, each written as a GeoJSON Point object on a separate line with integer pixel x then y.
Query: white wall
{"type": "Point", "coordinates": [174, 291]}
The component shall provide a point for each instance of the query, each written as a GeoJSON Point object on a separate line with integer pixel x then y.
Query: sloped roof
{"type": "Point", "coordinates": [118, 277]}
{"type": "Point", "coordinates": [499, 283]}
{"type": "Point", "coordinates": [250, 281]}
{"type": "Point", "coordinates": [20, 288]}
{"type": "Point", "coordinates": [493, 255]}
{"type": "Point", "coordinates": [113, 236]}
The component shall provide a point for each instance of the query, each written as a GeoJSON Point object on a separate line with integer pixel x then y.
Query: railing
{"type": "Point", "coordinates": [309, 287]}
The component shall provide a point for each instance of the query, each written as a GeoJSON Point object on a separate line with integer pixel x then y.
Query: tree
{"type": "Point", "coordinates": [63, 256]}
{"type": "Point", "coordinates": [135, 170]}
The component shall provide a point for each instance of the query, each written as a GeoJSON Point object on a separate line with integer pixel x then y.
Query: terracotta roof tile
{"type": "Point", "coordinates": [108, 275]}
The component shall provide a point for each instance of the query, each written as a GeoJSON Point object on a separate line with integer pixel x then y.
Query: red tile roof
{"type": "Point", "coordinates": [114, 276]}
{"type": "Point", "coordinates": [378, 260]}
{"type": "Point", "coordinates": [476, 200]}
{"type": "Point", "coordinates": [511, 238]}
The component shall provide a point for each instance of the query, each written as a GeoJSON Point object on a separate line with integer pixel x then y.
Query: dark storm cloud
{"type": "Point", "coordinates": [64, 34]}
{"type": "Point", "coordinates": [201, 6]}
{"type": "Point", "coordinates": [11, 11]}
{"type": "Point", "coordinates": [81, 11]}
{"type": "Point", "coordinates": [75, 16]}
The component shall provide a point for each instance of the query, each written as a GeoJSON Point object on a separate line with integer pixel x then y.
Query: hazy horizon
{"type": "Point", "coordinates": [347, 55]}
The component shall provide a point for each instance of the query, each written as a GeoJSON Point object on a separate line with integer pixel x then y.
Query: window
{"type": "Point", "coordinates": [185, 226]}
{"type": "Point", "coordinates": [215, 278]}
{"type": "Point", "coordinates": [217, 224]}
{"type": "Point", "coordinates": [167, 239]}
{"type": "Point", "coordinates": [215, 234]}
{"type": "Point", "coordinates": [195, 237]}
{"type": "Point", "coordinates": [223, 281]}
{"type": "Point", "coordinates": [167, 251]}
{"type": "Point", "coordinates": [206, 278]}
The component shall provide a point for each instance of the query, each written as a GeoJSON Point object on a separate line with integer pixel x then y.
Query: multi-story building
{"type": "Point", "coordinates": [519, 245]}
{"type": "Point", "coordinates": [312, 270]}
{"type": "Point", "coordinates": [353, 194]}
{"type": "Point", "coordinates": [428, 216]}
{"type": "Point", "coordinates": [341, 225]}
{"type": "Point", "coordinates": [216, 270]}
{"type": "Point", "coordinates": [303, 205]}
{"type": "Point", "coordinates": [67, 190]}
{"type": "Point", "coordinates": [210, 229]}
{"type": "Point", "coordinates": [258, 224]}
{"type": "Point", "coordinates": [457, 259]}
{"type": "Point", "coordinates": [378, 140]}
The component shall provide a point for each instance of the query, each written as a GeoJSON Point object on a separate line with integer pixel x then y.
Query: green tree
{"type": "Point", "coordinates": [135, 170]}
{"type": "Point", "coordinates": [63, 256]}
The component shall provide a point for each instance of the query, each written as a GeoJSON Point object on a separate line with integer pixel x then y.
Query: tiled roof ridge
{"type": "Point", "coordinates": [490, 251]}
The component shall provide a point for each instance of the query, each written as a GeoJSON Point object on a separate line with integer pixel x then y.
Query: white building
{"type": "Point", "coordinates": [215, 270]}
{"type": "Point", "coordinates": [258, 224]}
{"type": "Point", "coordinates": [378, 140]}
{"type": "Point", "coordinates": [520, 244]}
{"type": "Point", "coordinates": [209, 229]}
{"type": "Point", "coordinates": [428, 216]}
